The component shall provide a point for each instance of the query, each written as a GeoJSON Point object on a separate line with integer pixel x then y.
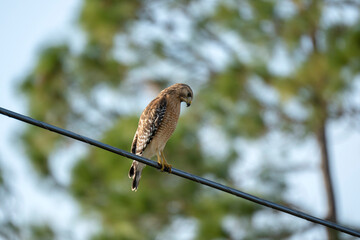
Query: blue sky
{"type": "Point", "coordinates": [26, 27]}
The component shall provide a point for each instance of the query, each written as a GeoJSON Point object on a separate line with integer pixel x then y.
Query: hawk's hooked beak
{"type": "Point", "coordinates": [188, 101]}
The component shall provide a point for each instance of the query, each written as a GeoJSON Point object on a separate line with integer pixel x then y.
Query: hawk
{"type": "Point", "coordinates": [156, 124]}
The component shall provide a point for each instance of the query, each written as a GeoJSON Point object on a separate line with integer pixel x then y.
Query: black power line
{"type": "Point", "coordinates": [180, 173]}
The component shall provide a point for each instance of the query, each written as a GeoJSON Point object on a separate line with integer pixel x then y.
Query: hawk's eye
{"type": "Point", "coordinates": [189, 95]}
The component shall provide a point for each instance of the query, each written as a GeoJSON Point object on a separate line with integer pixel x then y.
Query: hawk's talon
{"type": "Point", "coordinates": [163, 159]}
{"type": "Point", "coordinates": [160, 162]}
{"type": "Point", "coordinates": [162, 167]}
{"type": "Point", "coordinates": [168, 167]}
{"type": "Point", "coordinates": [165, 167]}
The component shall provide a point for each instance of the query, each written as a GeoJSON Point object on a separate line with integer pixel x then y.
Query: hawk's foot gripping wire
{"type": "Point", "coordinates": [165, 163]}
{"type": "Point", "coordinates": [160, 161]}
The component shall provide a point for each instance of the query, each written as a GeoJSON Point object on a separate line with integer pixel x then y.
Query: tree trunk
{"type": "Point", "coordinates": [325, 167]}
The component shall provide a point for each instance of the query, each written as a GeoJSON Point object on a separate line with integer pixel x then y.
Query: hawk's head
{"type": "Point", "coordinates": [185, 93]}
{"type": "Point", "coordinates": [181, 91]}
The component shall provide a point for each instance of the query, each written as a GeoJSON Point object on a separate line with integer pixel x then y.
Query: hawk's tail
{"type": "Point", "coordinates": [135, 174]}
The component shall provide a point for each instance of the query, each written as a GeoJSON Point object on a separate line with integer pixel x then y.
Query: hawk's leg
{"type": "Point", "coordinates": [165, 163]}
{"type": "Point", "coordinates": [160, 161]}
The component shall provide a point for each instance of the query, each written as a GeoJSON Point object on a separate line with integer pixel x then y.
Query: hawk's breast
{"type": "Point", "coordinates": [168, 125]}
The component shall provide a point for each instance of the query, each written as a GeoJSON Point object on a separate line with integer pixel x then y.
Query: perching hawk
{"type": "Point", "coordinates": [156, 125]}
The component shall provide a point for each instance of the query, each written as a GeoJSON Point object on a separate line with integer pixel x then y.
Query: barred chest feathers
{"type": "Point", "coordinates": [168, 124]}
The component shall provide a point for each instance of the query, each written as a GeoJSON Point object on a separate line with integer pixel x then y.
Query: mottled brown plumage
{"type": "Point", "coordinates": [157, 123]}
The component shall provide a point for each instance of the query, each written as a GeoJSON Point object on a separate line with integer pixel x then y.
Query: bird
{"type": "Point", "coordinates": [156, 125]}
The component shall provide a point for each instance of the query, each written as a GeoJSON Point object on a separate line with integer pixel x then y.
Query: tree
{"type": "Point", "coordinates": [224, 49]}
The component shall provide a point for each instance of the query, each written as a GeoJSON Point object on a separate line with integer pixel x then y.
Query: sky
{"type": "Point", "coordinates": [28, 26]}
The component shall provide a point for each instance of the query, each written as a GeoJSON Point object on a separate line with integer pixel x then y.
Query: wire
{"type": "Point", "coordinates": [180, 173]}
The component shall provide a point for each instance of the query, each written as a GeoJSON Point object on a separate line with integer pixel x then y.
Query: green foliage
{"type": "Point", "coordinates": [42, 233]}
{"type": "Point", "coordinates": [47, 86]}
{"type": "Point", "coordinates": [102, 20]}
{"type": "Point", "coordinates": [39, 145]}
{"type": "Point", "coordinates": [323, 73]}
{"type": "Point", "coordinates": [97, 65]}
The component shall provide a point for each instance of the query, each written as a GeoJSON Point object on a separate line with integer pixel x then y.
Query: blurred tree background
{"type": "Point", "coordinates": [256, 68]}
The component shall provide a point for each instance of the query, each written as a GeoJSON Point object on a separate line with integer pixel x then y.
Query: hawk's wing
{"type": "Point", "coordinates": [149, 123]}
